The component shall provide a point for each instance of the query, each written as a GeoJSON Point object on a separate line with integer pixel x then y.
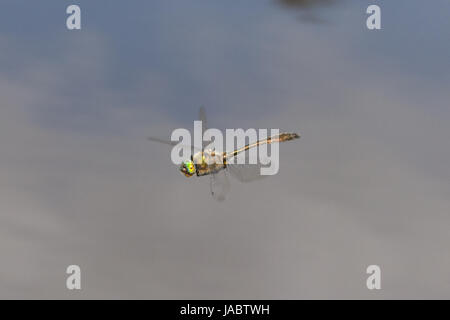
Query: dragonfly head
{"type": "Point", "coordinates": [187, 168]}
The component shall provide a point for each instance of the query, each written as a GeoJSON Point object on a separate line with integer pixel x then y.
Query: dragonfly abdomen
{"type": "Point", "coordinates": [282, 137]}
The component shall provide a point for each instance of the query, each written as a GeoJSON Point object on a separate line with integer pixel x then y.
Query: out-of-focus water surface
{"type": "Point", "coordinates": [368, 183]}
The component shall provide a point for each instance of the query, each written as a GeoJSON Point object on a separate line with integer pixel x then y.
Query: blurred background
{"type": "Point", "coordinates": [368, 183]}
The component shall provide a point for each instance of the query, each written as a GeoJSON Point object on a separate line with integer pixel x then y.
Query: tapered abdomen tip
{"type": "Point", "coordinates": [289, 136]}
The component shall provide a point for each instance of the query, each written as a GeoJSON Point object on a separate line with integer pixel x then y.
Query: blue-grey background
{"type": "Point", "coordinates": [368, 183]}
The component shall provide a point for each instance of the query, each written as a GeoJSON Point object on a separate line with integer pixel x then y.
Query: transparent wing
{"type": "Point", "coordinates": [202, 118]}
{"type": "Point", "coordinates": [245, 172]}
{"type": "Point", "coordinates": [172, 143]}
{"type": "Point", "coordinates": [220, 185]}
{"type": "Point", "coordinates": [163, 141]}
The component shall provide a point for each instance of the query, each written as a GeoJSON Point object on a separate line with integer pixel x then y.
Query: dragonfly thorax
{"type": "Point", "coordinates": [203, 163]}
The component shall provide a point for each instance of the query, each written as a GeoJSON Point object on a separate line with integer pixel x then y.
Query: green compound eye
{"type": "Point", "coordinates": [189, 165]}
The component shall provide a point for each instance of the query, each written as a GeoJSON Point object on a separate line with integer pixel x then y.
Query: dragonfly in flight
{"type": "Point", "coordinates": [218, 164]}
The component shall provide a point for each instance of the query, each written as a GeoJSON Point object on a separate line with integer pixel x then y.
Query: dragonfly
{"type": "Point", "coordinates": [217, 165]}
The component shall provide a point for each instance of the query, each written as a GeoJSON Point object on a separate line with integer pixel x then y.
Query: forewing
{"type": "Point", "coordinates": [202, 118]}
{"type": "Point", "coordinates": [173, 143]}
{"type": "Point", "coordinates": [163, 141]}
